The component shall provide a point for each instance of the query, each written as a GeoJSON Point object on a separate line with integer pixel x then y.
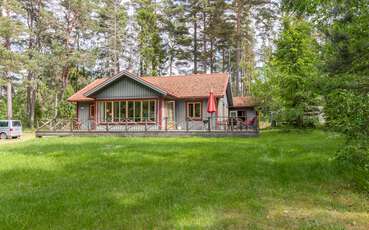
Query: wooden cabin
{"type": "Point", "coordinates": [172, 102]}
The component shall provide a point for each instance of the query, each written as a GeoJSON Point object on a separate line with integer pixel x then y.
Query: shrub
{"type": "Point", "coordinates": [348, 112]}
{"type": "Point", "coordinates": [353, 159]}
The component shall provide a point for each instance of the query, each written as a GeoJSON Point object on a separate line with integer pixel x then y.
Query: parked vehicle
{"type": "Point", "coordinates": [10, 129]}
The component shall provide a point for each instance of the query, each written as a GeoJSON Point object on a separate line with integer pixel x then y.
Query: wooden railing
{"type": "Point", "coordinates": [226, 124]}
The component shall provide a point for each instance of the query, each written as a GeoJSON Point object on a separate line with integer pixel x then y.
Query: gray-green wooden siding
{"type": "Point", "coordinates": [180, 112]}
{"type": "Point", "coordinates": [126, 88]}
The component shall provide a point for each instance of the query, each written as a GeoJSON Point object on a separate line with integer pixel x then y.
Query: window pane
{"type": "Point", "coordinates": [190, 110]}
{"type": "Point", "coordinates": [16, 124]}
{"type": "Point", "coordinates": [137, 111]}
{"type": "Point", "coordinates": [92, 111]}
{"type": "Point", "coordinates": [3, 124]}
{"type": "Point", "coordinates": [145, 110]}
{"type": "Point", "coordinates": [197, 110]}
{"type": "Point", "coordinates": [123, 110]}
{"type": "Point", "coordinates": [101, 108]}
{"type": "Point", "coordinates": [130, 111]}
{"type": "Point", "coordinates": [152, 111]}
{"type": "Point", "coordinates": [108, 111]}
{"type": "Point", "coordinates": [116, 111]}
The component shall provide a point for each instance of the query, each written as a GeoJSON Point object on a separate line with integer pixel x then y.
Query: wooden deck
{"type": "Point", "coordinates": [169, 133]}
{"type": "Point", "coordinates": [61, 128]}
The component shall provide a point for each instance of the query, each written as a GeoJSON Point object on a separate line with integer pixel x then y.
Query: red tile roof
{"type": "Point", "coordinates": [245, 101]}
{"type": "Point", "coordinates": [192, 86]}
{"type": "Point", "coordinates": [79, 95]}
{"type": "Point", "coordinates": [184, 86]}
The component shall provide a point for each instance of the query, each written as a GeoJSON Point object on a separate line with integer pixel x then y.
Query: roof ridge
{"type": "Point", "coordinates": [187, 75]}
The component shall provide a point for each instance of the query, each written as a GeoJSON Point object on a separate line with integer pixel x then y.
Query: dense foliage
{"type": "Point", "coordinates": [49, 49]}
{"type": "Point", "coordinates": [323, 61]}
{"type": "Point", "coordinates": [295, 64]}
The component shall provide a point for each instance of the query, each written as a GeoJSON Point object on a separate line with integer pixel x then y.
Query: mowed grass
{"type": "Point", "coordinates": [276, 181]}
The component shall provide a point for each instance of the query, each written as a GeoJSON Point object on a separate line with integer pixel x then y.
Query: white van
{"type": "Point", "coordinates": [10, 129]}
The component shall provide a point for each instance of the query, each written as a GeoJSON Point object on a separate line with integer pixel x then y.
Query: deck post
{"type": "Point", "coordinates": [232, 124]}
{"type": "Point", "coordinates": [107, 126]}
{"type": "Point", "coordinates": [166, 124]}
{"type": "Point", "coordinates": [187, 121]}
{"type": "Point", "coordinates": [145, 124]}
{"type": "Point", "coordinates": [126, 125]}
{"type": "Point", "coordinates": [71, 125]}
{"type": "Point", "coordinates": [209, 124]}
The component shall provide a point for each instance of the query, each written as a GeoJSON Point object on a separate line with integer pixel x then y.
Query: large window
{"type": "Point", "coordinates": [116, 111]}
{"type": "Point", "coordinates": [108, 111]}
{"type": "Point", "coordinates": [152, 111]}
{"type": "Point", "coordinates": [131, 110]}
{"type": "Point", "coordinates": [137, 112]}
{"type": "Point", "coordinates": [194, 110]}
{"type": "Point", "coordinates": [123, 111]}
{"type": "Point", "coordinates": [127, 111]}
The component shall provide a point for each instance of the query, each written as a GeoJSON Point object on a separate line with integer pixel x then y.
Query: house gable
{"type": "Point", "coordinates": [125, 88]}
{"type": "Point", "coordinates": [125, 85]}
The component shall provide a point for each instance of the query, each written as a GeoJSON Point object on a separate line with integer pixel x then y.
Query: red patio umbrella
{"type": "Point", "coordinates": [212, 107]}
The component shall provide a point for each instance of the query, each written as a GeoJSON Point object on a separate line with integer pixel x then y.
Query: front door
{"type": "Point", "coordinates": [170, 114]}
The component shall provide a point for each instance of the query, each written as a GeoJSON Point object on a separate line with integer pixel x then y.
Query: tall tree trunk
{"type": "Point", "coordinates": [33, 16]}
{"type": "Point", "coordinates": [223, 59]}
{"type": "Point", "coordinates": [10, 104]}
{"type": "Point", "coordinates": [116, 59]}
{"type": "Point", "coordinates": [31, 99]}
{"type": "Point", "coordinates": [5, 13]}
{"type": "Point", "coordinates": [141, 67]}
{"type": "Point", "coordinates": [195, 44]}
{"type": "Point", "coordinates": [56, 105]}
{"type": "Point", "coordinates": [170, 65]}
{"type": "Point", "coordinates": [238, 46]}
{"type": "Point", "coordinates": [212, 55]}
{"type": "Point", "coordinates": [60, 96]}
{"type": "Point", "coordinates": [32, 108]}
{"type": "Point", "coordinates": [205, 44]}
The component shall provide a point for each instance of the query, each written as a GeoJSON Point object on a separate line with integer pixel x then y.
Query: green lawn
{"type": "Point", "coordinates": [278, 180]}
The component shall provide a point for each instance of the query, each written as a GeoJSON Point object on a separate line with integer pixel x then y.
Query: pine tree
{"type": "Point", "coordinates": [112, 27]}
{"type": "Point", "coordinates": [219, 32]}
{"type": "Point", "coordinates": [193, 14]}
{"type": "Point", "coordinates": [245, 12]}
{"type": "Point", "coordinates": [69, 44]}
{"type": "Point", "coordinates": [34, 12]}
{"type": "Point", "coordinates": [150, 42]}
{"type": "Point", "coordinates": [10, 63]}
{"type": "Point", "coordinates": [177, 40]}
